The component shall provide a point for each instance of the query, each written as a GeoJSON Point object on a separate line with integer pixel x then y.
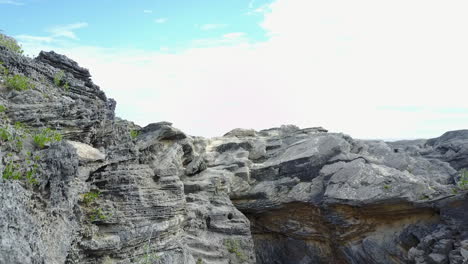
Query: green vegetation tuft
{"type": "Point", "coordinates": [97, 215]}
{"type": "Point", "coordinates": [149, 257]}
{"type": "Point", "coordinates": [134, 133]}
{"type": "Point", "coordinates": [90, 197]}
{"type": "Point", "coordinates": [12, 172]}
{"type": "Point", "coordinates": [18, 82]}
{"type": "Point", "coordinates": [199, 261]}
{"type": "Point", "coordinates": [5, 135]}
{"type": "Point", "coordinates": [10, 44]}
{"type": "Point", "coordinates": [463, 182]}
{"type": "Point", "coordinates": [58, 77]}
{"type": "Point", "coordinates": [2, 108]}
{"type": "Point", "coordinates": [59, 80]}
{"type": "Point", "coordinates": [66, 87]}
{"type": "Point", "coordinates": [233, 246]}
{"type": "Point", "coordinates": [45, 136]}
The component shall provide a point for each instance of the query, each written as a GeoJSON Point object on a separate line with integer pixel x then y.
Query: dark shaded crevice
{"type": "Point", "coordinates": [334, 233]}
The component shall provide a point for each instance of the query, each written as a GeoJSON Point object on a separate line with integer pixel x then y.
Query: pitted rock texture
{"type": "Point", "coordinates": [318, 197]}
{"type": "Point", "coordinates": [113, 192]}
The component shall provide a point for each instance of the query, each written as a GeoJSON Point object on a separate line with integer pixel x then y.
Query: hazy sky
{"type": "Point", "coordinates": [368, 68]}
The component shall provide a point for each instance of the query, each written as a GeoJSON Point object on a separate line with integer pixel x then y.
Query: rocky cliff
{"type": "Point", "coordinates": [80, 185]}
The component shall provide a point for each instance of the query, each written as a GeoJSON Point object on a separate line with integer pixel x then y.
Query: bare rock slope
{"type": "Point", "coordinates": [80, 185]}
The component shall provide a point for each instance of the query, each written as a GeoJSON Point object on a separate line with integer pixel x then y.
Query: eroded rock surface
{"type": "Point", "coordinates": [110, 191]}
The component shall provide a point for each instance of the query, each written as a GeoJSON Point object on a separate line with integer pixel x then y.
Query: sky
{"type": "Point", "coordinates": [372, 69]}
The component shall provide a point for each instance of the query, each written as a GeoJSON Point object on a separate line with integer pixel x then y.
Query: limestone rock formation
{"type": "Point", "coordinates": [80, 185]}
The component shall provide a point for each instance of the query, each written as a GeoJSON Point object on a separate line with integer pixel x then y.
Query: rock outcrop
{"type": "Point", "coordinates": [80, 185]}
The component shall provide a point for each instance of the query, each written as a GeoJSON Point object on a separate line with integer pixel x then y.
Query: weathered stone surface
{"type": "Point", "coordinates": [86, 153]}
{"type": "Point", "coordinates": [113, 192]}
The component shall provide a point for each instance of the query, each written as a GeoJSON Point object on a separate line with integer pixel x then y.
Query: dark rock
{"type": "Point", "coordinates": [62, 62]}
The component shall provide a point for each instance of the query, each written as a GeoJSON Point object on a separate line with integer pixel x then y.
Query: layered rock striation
{"type": "Point", "coordinates": [80, 185]}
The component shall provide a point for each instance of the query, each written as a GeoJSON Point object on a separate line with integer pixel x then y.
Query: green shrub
{"type": "Point", "coordinates": [59, 80]}
{"type": "Point", "coordinates": [45, 136]}
{"type": "Point", "coordinates": [2, 108]}
{"type": "Point", "coordinates": [30, 175]}
{"type": "Point", "coordinates": [5, 135]}
{"type": "Point", "coordinates": [58, 77]}
{"type": "Point", "coordinates": [463, 183]}
{"type": "Point", "coordinates": [15, 171]}
{"type": "Point", "coordinates": [233, 246]}
{"type": "Point", "coordinates": [90, 197]}
{"type": "Point", "coordinates": [149, 257]}
{"type": "Point", "coordinates": [11, 172]}
{"type": "Point", "coordinates": [19, 126]}
{"type": "Point", "coordinates": [10, 44]}
{"type": "Point", "coordinates": [134, 133]}
{"type": "Point", "coordinates": [66, 87]}
{"type": "Point", "coordinates": [97, 214]}
{"type": "Point", "coordinates": [18, 82]}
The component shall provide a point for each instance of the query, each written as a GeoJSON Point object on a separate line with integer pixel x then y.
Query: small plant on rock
{"type": "Point", "coordinates": [233, 246]}
{"type": "Point", "coordinates": [18, 82]}
{"type": "Point", "coordinates": [90, 197]}
{"type": "Point", "coordinates": [134, 133]}
{"type": "Point", "coordinates": [10, 44]}
{"type": "Point", "coordinates": [11, 172]}
{"type": "Point", "coordinates": [463, 182]}
{"type": "Point", "coordinates": [58, 77]}
{"type": "Point", "coordinates": [149, 257]}
{"type": "Point", "coordinates": [97, 214]}
{"type": "Point", "coordinates": [2, 108]}
{"type": "Point", "coordinates": [60, 82]}
{"type": "Point", "coordinates": [5, 135]}
{"type": "Point", "coordinates": [46, 136]}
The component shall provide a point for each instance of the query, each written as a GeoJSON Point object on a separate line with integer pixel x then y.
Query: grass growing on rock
{"type": "Point", "coordinates": [25, 171]}
{"type": "Point", "coordinates": [45, 136]}
{"type": "Point", "coordinates": [90, 197]}
{"type": "Point", "coordinates": [18, 82]}
{"type": "Point", "coordinates": [92, 208]}
{"type": "Point", "coordinates": [59, 80]}
{"type": "Point", "coordinates": [10, 43]}
{"type": "Point", "coordinates": [149, 257]}
{"type": "Point", "coordinates": [97, 214]}
{"type": "Point", "coordinates": [463, 182]}
{"type": "Point", "coordinates": [58, 77]}
{"type": "Point", "coordinates": [233, 247]}
{"type": "Point", "coordinates": [134, 133]}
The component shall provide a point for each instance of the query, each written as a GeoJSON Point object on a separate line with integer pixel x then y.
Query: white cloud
{"type": "Point", "coordinates": [66, 31]}
{"type": "Point", "coordinates": [147, 11]}
{"type": "Point", "coordinates": [212, 26]}
{"type": "Point", "coordinates": [11, 2]}
{"type": "Point", "coordinates": [161, 20]}
{"type": "Point", "coordinates": [352, 67]}
{"type": "Point", "coordinates": [229, 39]}
{"type": "Point", "coordinates": [36, 39]}
{"type": "Point", "coordinates": [234, 35]}
{"type": "Point", "coordinates": [261, 10]}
